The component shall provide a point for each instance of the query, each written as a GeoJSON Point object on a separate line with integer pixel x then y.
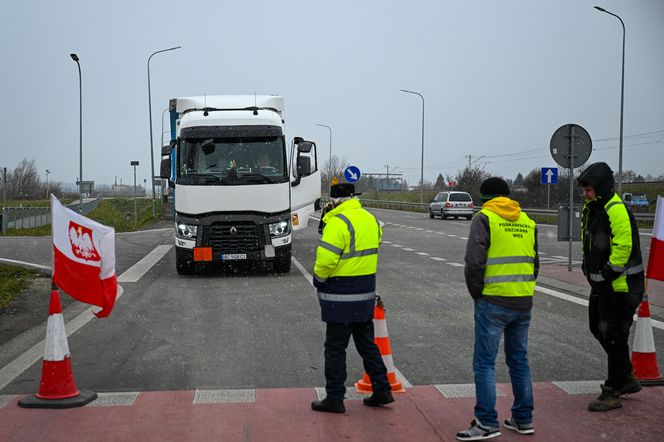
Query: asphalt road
{"type": "Point", "coordinates": [254, 329]}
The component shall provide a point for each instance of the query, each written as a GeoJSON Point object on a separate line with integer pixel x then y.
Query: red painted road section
{"type": "Point", "coordinates": [421, 414]}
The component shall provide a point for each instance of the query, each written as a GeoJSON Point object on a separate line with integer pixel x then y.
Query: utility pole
{"type": "Point", "coordinates": [48, 188]}
{"type": "Point", "coordinates": [134, 164]}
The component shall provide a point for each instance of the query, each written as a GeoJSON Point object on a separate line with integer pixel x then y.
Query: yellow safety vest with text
{"type": "Point", "coordinates": [510, 265]}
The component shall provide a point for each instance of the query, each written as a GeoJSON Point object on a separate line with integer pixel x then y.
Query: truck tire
{"type": "Point", "coordinates": [182, 265]}
{"type": "Point", "coordinates": [282, 265]}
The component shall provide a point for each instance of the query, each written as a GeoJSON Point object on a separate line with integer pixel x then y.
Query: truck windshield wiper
{"type": "Point", "coordinates": [256, 177]}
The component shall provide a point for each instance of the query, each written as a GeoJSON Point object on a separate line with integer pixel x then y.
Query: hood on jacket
{"type": "Point", "coordinates": [351, 204]}
{"type": "Point", "coordinates": [505, 207]}
{"type": "Point", "coordinates": [600, 177]}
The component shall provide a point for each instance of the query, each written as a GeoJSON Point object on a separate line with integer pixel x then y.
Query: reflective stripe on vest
{"type": "Point", "coordinates": [510, 264]}
{"type": "Point", "coordinates": [333, 297]}
{"type": "Point", "coordinates": [597, 277]}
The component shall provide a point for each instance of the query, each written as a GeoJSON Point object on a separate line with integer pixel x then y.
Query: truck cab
{"type": "Point", "coordinates": [240, 189]}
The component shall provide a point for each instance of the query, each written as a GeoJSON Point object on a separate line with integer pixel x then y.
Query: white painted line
{"type": "Point", "coordinates": [386, 242]}
{"type": "Point", "coordinates": [313, 217]}
{"type": "Point", "coordinates": [12, 370]}
{"type": "Point", "coordinates": [560, 257]}
{"type": "Point", "coordinates": [300, 267]}
{"type": "Point", "coordinates": [435, 258]}
{"type": "Point", "coordinates": [440, 233]}
{"type": "Point", "coordinates": [463, 237]}
{"type": "Point", "coordinates": [29, 264]}
{"type": "Point", "coordinates": [120, 399]}
{"type": "Point", "coordinates": [655, 323]}
{"type": "Point", "coordinates": [542, 253]}
{"type": "Point", "coordinates": [351, 394]}
{"type": "Point", "coordinates": [408, 249]}
{"type": "Point", "coordinates": [455, 264]}
{"type": "Point", "coordinates": [397, 245]}
{"type": "Point", "coordinates": [453, 236]}
{"type": "Point", "coordinates": [460, 390]}
{"type": "Point", "coordinates": [136, 272]}
{"type": "Point", "coordinates": [579, 387]}
{"type": "Point", "coordinates": [422, 253]}
{"type": "Point", "coordinates": [5, 399]}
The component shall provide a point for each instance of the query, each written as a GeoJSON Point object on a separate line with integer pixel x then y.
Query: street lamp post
{"type": "Point", "coordinates": [622, 102]}
{"type": "Point", "coordinates": [80, 130]}
{"type": "Point", "coordinates": [48, 188]}
{"type": "Point", "coordinates": [422, 165]}
{"type": "Point", "coordinates": [330, 129]}
{"type": "Point", "coordinates": [154, 209]}
{"type": "Point", "coordinates": [134, 164]}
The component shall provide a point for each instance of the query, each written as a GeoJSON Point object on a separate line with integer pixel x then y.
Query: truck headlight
{"type": "Point", "coordinates": [279, 229]}
{"type": "Point", "coordinates": [186, 230]}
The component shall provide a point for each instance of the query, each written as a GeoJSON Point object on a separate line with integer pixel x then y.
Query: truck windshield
{"type": "Point", "coordinates": [232, 161]}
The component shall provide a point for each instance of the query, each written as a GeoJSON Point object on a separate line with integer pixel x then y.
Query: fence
{"type": "Point", "coordinates": [424, 207]}
{"type": "Point", "coordinates": [30, 217]}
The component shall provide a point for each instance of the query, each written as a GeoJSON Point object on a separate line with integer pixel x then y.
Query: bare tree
{"type": "Point", "coordinates": [470, 179]}
{"type": "Point", "coordinates": [334, 167]}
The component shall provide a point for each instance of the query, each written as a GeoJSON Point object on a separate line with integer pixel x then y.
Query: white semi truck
{"type": "Point", "coordinates": [240, 189]}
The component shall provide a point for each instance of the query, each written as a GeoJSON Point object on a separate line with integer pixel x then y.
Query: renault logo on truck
{"type": "Point", "coordinates": [233, 230]}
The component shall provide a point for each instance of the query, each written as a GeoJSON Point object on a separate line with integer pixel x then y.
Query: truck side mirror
{"type": "Point", "coordinates": [165, 170]}
{"type": "Point", "coordinates": [305, 147]}
{"type": "Point", "coordinates": [303, 166]}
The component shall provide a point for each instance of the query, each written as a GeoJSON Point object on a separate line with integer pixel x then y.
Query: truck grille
{"type": "Point", "coordinates": [234, 237]}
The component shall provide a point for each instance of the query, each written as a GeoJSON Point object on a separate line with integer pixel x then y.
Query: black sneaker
{"type": "Point", "coordinates": [608, 400]}
{"type": "Point", "coordinates": [379, 399]}
{"type": "Point", "coordinates": [511, 424]}
{"type": "Point", "coordinates": [632, 385]}
{"type": "Point", "coordinates": [329, 405]}
{"type": "Point", "coordinates": [477, 431]}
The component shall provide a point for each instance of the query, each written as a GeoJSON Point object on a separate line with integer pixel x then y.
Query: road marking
{"type": "Point", "coordinates": [461, 390]}
{"type": "Point", "coordinates": [19, 365]}
{"type": "Point", "coordinates": [406, 383]}
{"type": "Point", "coordinates": [463, 237]}
{"type": "Point", "coordinates": [225, 396]}
{"type": "Point", "coordinates": [455, 264]}
{"type": "Point", "coordinates": [386, 242]}
{"type": "Point", "coordinates": [135, 272]}
{"type": "Point", "coordinates": [422, 253]}
{"type": "Point", "coordinates": [453, 236]}
{"type": "Point", "coordinates": [397, 245]}
{"type": "Point", "coordinates": [407, 249]}
{"type": "Point", "coordinates": [579, 387]}
{"type": "Point", "coordinates": [29, 264]}
{"type": "Point", "coordinates": [119, 399]}
{"type": "Point", "coordinates": [435, 258]}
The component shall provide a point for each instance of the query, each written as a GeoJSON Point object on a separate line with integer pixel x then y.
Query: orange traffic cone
{"type": "Point", "coordinates": [383, 342]}
{"type": "Point", "coordinates": [644, 358]}
{"type": "Point", "coordinates": [57, 388]}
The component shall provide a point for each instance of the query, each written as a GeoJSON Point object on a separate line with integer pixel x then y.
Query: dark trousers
{"type": "Point", "coordinates": [337, 337]}
{"type": "Point", "coordinates": [610, 317]}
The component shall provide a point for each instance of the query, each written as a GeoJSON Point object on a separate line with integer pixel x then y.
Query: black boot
{"type": "Point", "coordinates": [608, 400]}
{"type": "Point", "coordinates": [329, 405]}
{"type": "Point", "coordinates": [632, 385]}
{"type": "Point", "coordinates": [379, 399]}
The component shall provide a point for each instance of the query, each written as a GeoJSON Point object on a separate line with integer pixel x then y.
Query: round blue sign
{"type": "Point", "coordinates": [352, 174]}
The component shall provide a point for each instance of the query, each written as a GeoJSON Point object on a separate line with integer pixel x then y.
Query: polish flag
{"type": "Point", "coordinates": [656, 258]}
{"type": "Point", "coordinates": [84, 258]}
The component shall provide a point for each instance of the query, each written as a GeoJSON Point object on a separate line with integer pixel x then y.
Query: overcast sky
{"type": "Point", "coordinates": [498, 77]}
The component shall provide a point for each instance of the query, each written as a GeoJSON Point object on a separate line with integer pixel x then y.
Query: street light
{"type": "Point", "coordinates": [422, 165]}
{"type": "Point", "coordinates": [330, 129]}
{"type": "Point", "coordinates": [80, 130]}
{"type": "Point", "coordinates": [622, 102]}
{"type": "Point", "coordinates": [154, 210]}
{"type": "Point", "coordinates": [134, 164]}
{"type": "Point", "coordinates": [48, 189]}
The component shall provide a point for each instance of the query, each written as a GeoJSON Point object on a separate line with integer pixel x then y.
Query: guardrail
{"type": "Point", "coordinates": [30, 217]}
{"type": "Point", "coordinates": [424, 207]}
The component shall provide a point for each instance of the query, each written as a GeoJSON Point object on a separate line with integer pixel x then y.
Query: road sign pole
{"type": "Point", "coordinates": [571, 195]}
{"type": "Point", "coordinates": [548, 195]}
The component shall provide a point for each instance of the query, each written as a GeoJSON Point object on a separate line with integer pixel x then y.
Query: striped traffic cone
{"type": "Point", "coordinates": [383, 342]}
{"type": "Point", "coordinates": [644, 358]}
{"type": "Point", "coordinates": [57, 388]}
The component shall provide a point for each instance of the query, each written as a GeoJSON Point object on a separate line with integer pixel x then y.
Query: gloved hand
{"type": "Point", "coordinates": [609, 274]}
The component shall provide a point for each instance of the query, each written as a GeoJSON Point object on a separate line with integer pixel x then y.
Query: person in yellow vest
{"type": "Point", "coordinates": [345, 276]}
{"type": "Point", "coordinates": [501, 267]}
{"type": "Point", "coordinates": [612, 264]}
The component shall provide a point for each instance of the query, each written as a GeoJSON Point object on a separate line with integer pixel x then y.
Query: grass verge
{"type": "Point", "coordinates": [12, 281]}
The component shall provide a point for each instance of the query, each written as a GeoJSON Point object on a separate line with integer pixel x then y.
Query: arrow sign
{"type": "Point", "coordinates": [549, 175]}
{"type": "Point", "coordinates": [352, 174]}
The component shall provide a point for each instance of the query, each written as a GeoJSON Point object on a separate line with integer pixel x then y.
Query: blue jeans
{"type": "Point", "coordinates": [491, 322]}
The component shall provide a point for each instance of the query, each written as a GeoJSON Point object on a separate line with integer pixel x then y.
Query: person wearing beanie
{"type": "Point", "coordinates": [501, 267]}
{"type": "Point", "coordinates": [614, 269]}
{"type": "Point", "coordinates": [345, 279]}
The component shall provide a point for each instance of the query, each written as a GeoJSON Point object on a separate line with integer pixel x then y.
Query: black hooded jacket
{"type": "Point", "coordinates": [600, 221]}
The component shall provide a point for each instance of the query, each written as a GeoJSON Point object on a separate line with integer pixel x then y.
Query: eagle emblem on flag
{"type": "Point", "coordinates": [82, 246]}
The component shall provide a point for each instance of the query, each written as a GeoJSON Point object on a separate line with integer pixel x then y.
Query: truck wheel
{"type": "Point", "coordinates": [282, 265]}
{"type": "Point", "coordinates": [430, 214]}
{"type": "Point", "coordinates": [183, 266]}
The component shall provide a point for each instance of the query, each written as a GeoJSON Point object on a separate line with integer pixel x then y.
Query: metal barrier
{"type": "Point", "coordinates": [31, 217]}
{"type": "Point", "coordinates": [424, 207]}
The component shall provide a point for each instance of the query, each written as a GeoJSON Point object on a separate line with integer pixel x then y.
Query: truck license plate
{"type": "Point", "coordinates": [233, 256]}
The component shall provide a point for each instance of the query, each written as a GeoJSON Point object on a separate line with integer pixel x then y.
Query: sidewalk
{"type": "Point", "coordinates": [423, 413]}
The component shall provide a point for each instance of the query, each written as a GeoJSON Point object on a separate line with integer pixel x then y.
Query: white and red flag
{"type": "Point", "coordinates": [656, 259]}
{"type": "Point", "coordinates": [84, 258]}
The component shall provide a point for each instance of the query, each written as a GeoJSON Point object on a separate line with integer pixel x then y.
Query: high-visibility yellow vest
{"type": "Point", "coordinates": [510, 265]}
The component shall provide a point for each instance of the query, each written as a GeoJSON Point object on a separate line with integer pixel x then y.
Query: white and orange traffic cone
{"type": "Point", "coordinates": [644, 358]}
{"type": "Point", "coordinates": [57, 388]}
{"type": "Point", "coordinates": [383, 342]}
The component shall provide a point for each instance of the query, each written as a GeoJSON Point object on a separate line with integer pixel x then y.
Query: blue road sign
{"type": "Point", "coordinates": [352, 174]}
{"type": "Point", "coordinates": [549, 175]}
